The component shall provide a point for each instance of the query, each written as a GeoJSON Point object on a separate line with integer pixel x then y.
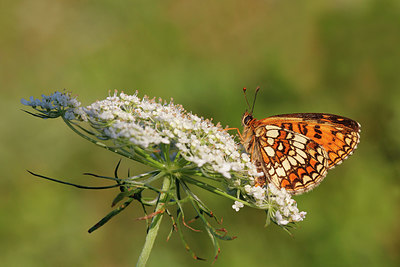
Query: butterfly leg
{"type": "Point", "coordinates": [229, 129]}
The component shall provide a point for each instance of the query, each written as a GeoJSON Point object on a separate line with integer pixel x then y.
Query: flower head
{"type": "Point", "coordinates": [146, 123]}
{"type": "Point", "coordinates": [54, 105]}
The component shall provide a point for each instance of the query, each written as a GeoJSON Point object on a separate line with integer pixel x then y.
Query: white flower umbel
{"type": "Point", "coordinates": [278, 202]}
{"type": "Point", "coordinates": [184, 149]}
{"type": "Point", "coordinates": [146, 123]}
{"type": "Point", "coordinates": [54, 105]}
{"type": "Point", "coordinates": [286, 207]}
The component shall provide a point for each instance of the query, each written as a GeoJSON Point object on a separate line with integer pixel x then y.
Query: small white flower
{"type": "Point", "coordinates": [238, 205]}
{"type": "Point", "coordinates": [248, 189]}
{"type": "Point", "coordinates": [279, 219]}
{"type": "Point", "coordinates": [245, 157]}
{"type": "Point", "coordinates": [237, 183]}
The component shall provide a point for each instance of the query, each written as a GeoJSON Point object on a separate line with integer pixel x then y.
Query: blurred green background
{"type": "Point", "coordinates": [338, 57]}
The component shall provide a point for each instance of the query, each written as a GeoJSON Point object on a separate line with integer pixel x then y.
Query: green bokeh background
{"type": "Point", "coordinates": [338, 57]}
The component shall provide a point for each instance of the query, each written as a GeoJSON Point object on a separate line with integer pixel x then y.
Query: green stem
{"type": "Point", "coordinates": [216, 190]}
{"type": "Point", "coordinates": [155, 222]}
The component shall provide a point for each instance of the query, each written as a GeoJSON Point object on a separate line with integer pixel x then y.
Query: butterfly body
{"type": "Point", "coordinates": [295, 151]}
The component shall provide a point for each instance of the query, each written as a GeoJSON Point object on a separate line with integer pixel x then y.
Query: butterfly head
{"type": "Point", "coordinates": [247, 118]}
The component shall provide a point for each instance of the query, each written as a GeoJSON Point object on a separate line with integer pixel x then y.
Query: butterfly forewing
{"type": "Point", "coordinates": [295, 150]}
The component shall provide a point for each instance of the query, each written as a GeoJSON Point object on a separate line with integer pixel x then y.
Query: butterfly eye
{"type": "Point", "coordinates": [247, 119]}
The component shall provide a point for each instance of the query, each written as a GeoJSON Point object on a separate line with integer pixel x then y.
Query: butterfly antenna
{"type": "Point", "coordinates": [254, 101]}
{"type": "Point", "coordinates": [245, 96]}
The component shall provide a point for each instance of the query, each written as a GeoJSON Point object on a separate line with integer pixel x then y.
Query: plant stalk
{"type": "Point", "coordinates": [155, 222]}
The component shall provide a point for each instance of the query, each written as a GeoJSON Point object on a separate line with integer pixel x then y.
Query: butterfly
{"type": "Point", "coordinates": [295, 151]}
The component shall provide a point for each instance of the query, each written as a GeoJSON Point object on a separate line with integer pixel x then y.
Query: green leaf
{"type": "Point", "coordinates": [110, 215]}
{"type": "Point", "coordinates": [121, 196]}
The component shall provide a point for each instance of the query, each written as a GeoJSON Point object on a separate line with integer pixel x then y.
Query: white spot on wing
{"type": "Point", "coordinates": [270, 151]}
{"type": "Point", "coordinates": [319, 167]}
{"type": "Point", "coordinates": [299, 138]}
{"type": "Point", "coordinates": [320, 159]}
{"type": "Point", "coordinates": [292, 161]}
{"type": "Point", "coordinates": [300, 159]}
{"type": "Point", "coordinates": [272, 127]}
{"type": "Point", "coordinates": [280, 147]}
{"type": "Point", "coordinates": [286, 164]}
{"type": "Point", "coordinates": [306, 179]}
{"type": "Point", "coordinates": [298, 145]}
{"type": "Point", "coordinates": [298, 184]}
{"type": "Point", "coordinates": [280, 172]}
{"type": "Point", "coordinates": [348, 141]}
{"type": "Point", "coordinates": [301, 153]}
{"type": "Point", "coordinates": [270, 141]}
{"type": "Point", "coordinates": [271, 171]}
{"type": "Point", "coordinates": [272, 133]}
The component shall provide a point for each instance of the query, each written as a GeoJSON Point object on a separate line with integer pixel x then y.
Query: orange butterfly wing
{"type": "Point", "coordinates": [295, 150]}
{"type": "Point", "coordinates": [338, 135]}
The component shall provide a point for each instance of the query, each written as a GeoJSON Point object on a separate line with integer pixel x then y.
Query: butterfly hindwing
{"type": "Point", "coordinates": [289, 159]}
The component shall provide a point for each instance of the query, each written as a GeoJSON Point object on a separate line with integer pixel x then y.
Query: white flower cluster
{"type": "Point", "coordinates": [127, 119]}
{"type": "Point", "coordinates": [55, 102]}
{"type": "Point", "coordinates": [277, 199]}
{"type": "Point", "coordinates": [287, 210]}
{"type": "Point", "coordinates": [237, 206]}
{"type": "Point", "coordinates": [257, 192]}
